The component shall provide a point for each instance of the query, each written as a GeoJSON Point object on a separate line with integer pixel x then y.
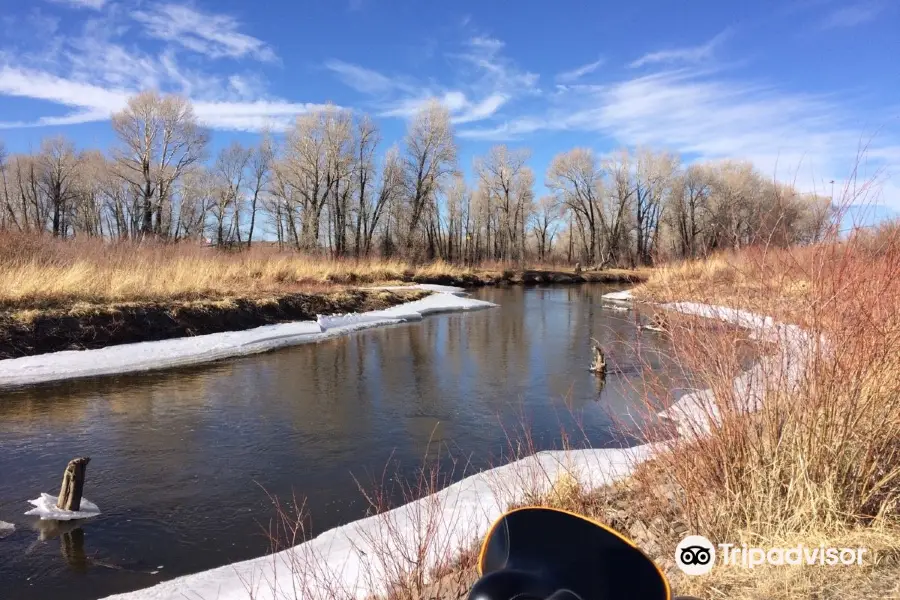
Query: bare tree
{"type": "Point", "coordinates": [160, 139]}
{"type": "Point", "coordinates": [230, 170]}
{"type": "Point", "coordinates": [509, 182]}
{"type": "Point", "coordinates": [331, 187]}
{"type": "Point", "coordinates": [652, 183]}
{"type": "Point", "coordinates": [261, 160]}
{"type": "Point", "coordinates": [575, 176]}
{"type": "Point", "coordinates": [689, 206]}
{"type": "Point", "coordinates": [545, 225]}
{"type": "Point", "coordinates": [58, 164]}
{"type": "Point", "coordinates": [313, 167]}
{"type": "Point", "coordinates": [430, 158]}
{"type": "Point", "coordinates": [8, 213]}
{"type": "Point", "coordinates": [199, 199]}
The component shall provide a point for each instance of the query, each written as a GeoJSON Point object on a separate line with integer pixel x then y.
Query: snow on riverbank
{"type": "Point", "coordinates": [791, 348]}
{"type": "Point", "coordinates": [623, 296]}
{"type": "Point", "coordinates": [345, 560]}
{"type": "Point", "coordinates": [180, 352]}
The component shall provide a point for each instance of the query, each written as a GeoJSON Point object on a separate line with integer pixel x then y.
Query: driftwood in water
{"type": "Point", "coordinates": [598, 364]}
{"type": "Point", "coordinates": [73, 484]}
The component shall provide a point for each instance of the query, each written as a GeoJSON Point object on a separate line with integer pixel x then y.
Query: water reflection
{"type": "Point", "coordinates": [71, 541]}
{"type": "Point", "coordinates": [183, 460]}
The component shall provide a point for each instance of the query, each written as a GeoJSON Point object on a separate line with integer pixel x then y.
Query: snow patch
{"type": "Point", "coordinates": [6, 529]}
{"type": "Point", "coordinates": [182, 352]}
{"type": "Point", "coordinates": [695, 412]}
{"type": "Point", "coordinates": [430, 287]}
{"type": "Point", "coordinates": [345, 558]}
{"type": "Point", "coordinates": [45, 508]}
{"type": "Point", "coordinates": [622, 296]}
{"type": "Point", "coordinates": [616, 308]}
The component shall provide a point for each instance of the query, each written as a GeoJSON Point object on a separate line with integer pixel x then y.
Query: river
{"type": "Point", "coordinates": [183, 462]}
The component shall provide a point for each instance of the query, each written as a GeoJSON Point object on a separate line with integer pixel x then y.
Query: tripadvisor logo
{"type": "Point", "coordinates": [696, 555]}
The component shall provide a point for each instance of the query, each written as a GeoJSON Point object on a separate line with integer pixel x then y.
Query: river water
{"type": "Point", "coordinates": [183, 462]}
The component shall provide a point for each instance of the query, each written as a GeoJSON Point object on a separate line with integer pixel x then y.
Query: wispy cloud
{"type": "Point", "coordinates": [40, 85]}
{"type": "Point", "coordinates": [579, 72]}
{"type": "Point", "coordinates": [462, 110]}
{"type": "Point", "coordinates": [784, 134]}
{"type": "Point", "coordinates": [692, 54]}
{"type": "Point", "coordinates": [485, 80]}
{"type": "Point", "coordinates": [365, 80]}
{"type": "Point", "coordinates": [96, 103]}
{"type": "Point", "coordinates": [92, 75]}
{"type": "Point", "coordinates": [213, 35]}
{"type": "Point", "coordinates": [492, 68]}
{"type": "Point", "coordinates": [852, 15]}
{"type": "Point", "coordinates": [92, 4]}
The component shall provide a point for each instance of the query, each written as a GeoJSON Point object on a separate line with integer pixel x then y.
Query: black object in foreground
{"type": "Point", "coordinates": [549, 554]}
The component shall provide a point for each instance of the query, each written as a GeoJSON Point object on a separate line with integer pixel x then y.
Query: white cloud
{"type": "Point", "coordinates": [95, 103]}
{"type": "Point", "coordinates": [251, 116]}
{"type": "Point", "coordinates": [213, 35]}
{"type": "Point", "coordinates": [693, 54]}
{"type": "Point", "coordinates": [508, 131]}
{"type": "Point", "coordinates": [481, 110]}
{"type": "Point", "coordinates": [462, 110]}
{"type": "Point", "coordinates": [92, 75]}
{"type": "Point", "coordinates": [90, 102]}
{"type": "Point", "coordinates": [493, 69]}
{"type": "Point", "coordinates": [792, 136]}
{"type": "Point", "coordinates": [40, 85]}
{"type": "Point", "coordinates": [579, 72]}
{"type": "Point", "coordinates": [365, 80]}
{"type": "Point", "coordinates": [852, 15]}
{"type": "Point", "coordinates": [486, 81]}
{"type": "Point", "coordinates": [91, 4]}
{"type": "Point", "coordinates": [74, 118]}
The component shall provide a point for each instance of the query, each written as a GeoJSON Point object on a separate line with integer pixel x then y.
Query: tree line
{"type": "Point", "coordinates": [328, 186]}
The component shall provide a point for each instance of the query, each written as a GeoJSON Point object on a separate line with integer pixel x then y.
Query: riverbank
{"type": "Point", "coordinates": [199, 349]}
{"type": "Point", "coordinates": [798, 451]}
{"type": "Point", "coordinates": [88, 294]}
{"type": "Point", "coordinates": [803, 450]}
{"type": "Point", "coordinates": [363, 559]}
{"type": "Point", "coordinates": [88, 327]}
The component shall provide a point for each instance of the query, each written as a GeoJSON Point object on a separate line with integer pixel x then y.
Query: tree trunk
{"type": "Point", "coordinates": [73, 484]}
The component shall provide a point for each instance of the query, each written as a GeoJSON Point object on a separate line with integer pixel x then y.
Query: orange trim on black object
{"type": "Point", "coordinates": [572, 514]}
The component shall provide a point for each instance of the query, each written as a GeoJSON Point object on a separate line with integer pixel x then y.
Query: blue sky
{"type": "Point", "coordinates": [796, 86]}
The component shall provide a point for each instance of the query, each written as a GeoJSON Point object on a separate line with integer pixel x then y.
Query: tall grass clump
{"type": "Point", "coordinates": [807, 443]}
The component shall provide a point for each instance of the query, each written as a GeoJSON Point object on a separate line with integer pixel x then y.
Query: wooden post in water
{"type": "Point", "coordinates": [73, 484]}
{"type": "Point", "coordinates": [598, 365]}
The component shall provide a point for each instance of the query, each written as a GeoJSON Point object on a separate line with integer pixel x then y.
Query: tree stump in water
{"type": "Point", "coordinates": [598, 364]}
{"type": "Point", "coordinates": [73, 484]}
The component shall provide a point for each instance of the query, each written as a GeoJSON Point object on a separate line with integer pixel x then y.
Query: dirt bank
{"type": "Point", "coordinates": [28, 328]}
{"type": "Point", "coordinates": [83, 327]}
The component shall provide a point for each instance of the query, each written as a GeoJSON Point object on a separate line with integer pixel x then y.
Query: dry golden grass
{"type": "Point", "coordinates": [41, 272]}
{"type": "Point", "coordinates": [820, 458]}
